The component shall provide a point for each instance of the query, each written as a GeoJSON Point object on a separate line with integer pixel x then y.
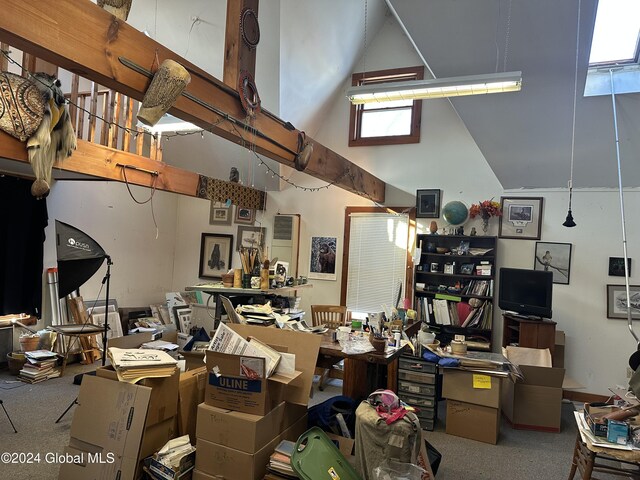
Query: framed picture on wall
{"type": "Point", "coordinates": [617, 301]}
{"type": "Point", "coordinates": [215, 255]}
{"type": "Point", "coordinates": [251, 237]}
{"type": "Point", "coordinates": [554, 257]}
{"type": "Point", "coordinates": [521, 218]}
{"type": "Point", "coordinates": [616, 266]}
{"type": "Point", "coordinates": [219, 214]}
{"type": "Point", "coordinates": [322, 261]}
{"type": "Point", "coordinates": [428, 203]}
{"type": "Point", "coordinates": [245, 215]}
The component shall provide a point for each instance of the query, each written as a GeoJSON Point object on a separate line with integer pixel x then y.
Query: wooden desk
{"type": "Point", "coordinates": [215, 290]}
{"type": "Point", "coordinates": [358, 378]}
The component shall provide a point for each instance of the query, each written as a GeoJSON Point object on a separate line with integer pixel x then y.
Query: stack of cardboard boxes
{"type": "Point", "coordinates": [242, 420]}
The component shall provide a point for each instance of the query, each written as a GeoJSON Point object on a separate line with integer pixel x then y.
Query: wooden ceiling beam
{"type": "Point", "coordinates": [81, 37]}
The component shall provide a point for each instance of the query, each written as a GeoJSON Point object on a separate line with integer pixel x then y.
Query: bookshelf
{"type": "Point", "coordinates": [454, 286]}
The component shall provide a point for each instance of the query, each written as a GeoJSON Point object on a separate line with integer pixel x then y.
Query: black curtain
{"type": "Point", "coordinates": [22, 223]}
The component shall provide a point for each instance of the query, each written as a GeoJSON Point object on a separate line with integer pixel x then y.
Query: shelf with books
{"type": "Point", "coordinates": [455, 293]}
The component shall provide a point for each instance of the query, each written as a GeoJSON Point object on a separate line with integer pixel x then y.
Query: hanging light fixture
{"type": "Point", "coordinates": [569, 222]}
{"type": "Point", "coordinates": [436, 88]}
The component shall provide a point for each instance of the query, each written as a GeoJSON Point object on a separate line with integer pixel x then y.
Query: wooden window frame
{"type": "Point", "coordinates": [355, 116]}
{"type": "Point", "coordinates": [411, 240]}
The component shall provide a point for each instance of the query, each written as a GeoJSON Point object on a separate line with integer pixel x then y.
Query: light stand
{"type": "Point", "coordinates": [7, 414]}
{"type": "Point", "coordinates": [107, 278]}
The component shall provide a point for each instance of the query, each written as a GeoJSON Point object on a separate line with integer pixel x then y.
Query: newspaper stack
{"type": "Point", "coordinates": [226, 340]}
{"type": "Point", "coordinates": [134, 364]}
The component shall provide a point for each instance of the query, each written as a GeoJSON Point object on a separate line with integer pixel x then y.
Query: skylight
{"type": "Point", "coordinates": [616, 32]}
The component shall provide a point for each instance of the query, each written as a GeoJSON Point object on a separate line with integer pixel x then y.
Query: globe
{"type": "Point", "coordinates": [455, 213]}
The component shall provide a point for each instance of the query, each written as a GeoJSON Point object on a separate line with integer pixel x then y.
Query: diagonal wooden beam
{"type": "Point", "coordinates": [81, 37]}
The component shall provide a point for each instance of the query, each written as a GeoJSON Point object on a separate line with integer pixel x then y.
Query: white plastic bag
{"type": "Point", "coordinates": [393, 470]}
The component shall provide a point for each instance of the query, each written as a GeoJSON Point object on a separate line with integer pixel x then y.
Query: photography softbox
{"type": "Point", "coordinates": [79, 257]}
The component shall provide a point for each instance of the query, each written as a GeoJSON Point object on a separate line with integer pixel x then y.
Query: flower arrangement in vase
{"type": "Point", "coordinates": [485, 210]}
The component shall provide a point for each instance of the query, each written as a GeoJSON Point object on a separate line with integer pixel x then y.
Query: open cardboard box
{"type": "Point", "coordinates": [190, 395]}
{"type": "Point", "coordinates": [108, 423]}
{"type": "Point", "coordinates": [534, 403]}
{"type": "Point", "coordinates": [228, 388]}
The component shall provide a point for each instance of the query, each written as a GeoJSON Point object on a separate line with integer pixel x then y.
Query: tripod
{"type": "Point", "coordinates": [7, 414]}
{"type": "Point", "coordinates": [105, 333]}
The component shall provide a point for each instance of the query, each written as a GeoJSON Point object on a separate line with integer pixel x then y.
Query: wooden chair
{"type": "Point", "coordinates": [331, 316]}
{"type": "Point", "coordinates": [232, 315]}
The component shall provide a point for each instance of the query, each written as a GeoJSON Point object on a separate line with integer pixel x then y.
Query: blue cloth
{"type": "Point", "coordinates": [449, 362]}
{"type": "Point", "coordinates": [429, 356]}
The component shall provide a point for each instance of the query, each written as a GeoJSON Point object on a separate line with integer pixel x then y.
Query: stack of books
{"type": "Point", "coordinates": [134, 364]}
{"type": "Point", "coordinates": [40, 366]}
{"type": "Point", "coordinates": [280, 461]}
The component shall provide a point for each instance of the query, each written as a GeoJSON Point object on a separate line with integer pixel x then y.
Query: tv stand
{"type": "Point", "coordinates": [526, 332]}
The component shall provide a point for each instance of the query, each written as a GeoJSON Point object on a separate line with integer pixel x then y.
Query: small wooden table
{"type": "Point", "coordinates": [359, 377]}
{"type": "Point", "coordinates": [587, 459]}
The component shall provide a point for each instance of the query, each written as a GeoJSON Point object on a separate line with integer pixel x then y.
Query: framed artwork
{"type": "Point", "coordinates": [428, 203]}
{"type": "Point", "coordinates": [322, 261]}
{"type": "Point", "coordinates": [521, 218]}
{"type": "Point", "coordinates": [245, 215]}
{"type": "Point", "coordinates": [617, 301]}
{"type": "Point", "coordinates": [251, 237]}
{"type": "Point", "coordinates": [215, 255]}
{"type": "Point", "coordinates": [554, 257]}
{"type": "Point", "coordinates": [616, 266]}
{"type": "Point", "coordinates": [219, 214]}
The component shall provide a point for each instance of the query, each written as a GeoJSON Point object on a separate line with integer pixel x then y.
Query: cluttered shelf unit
{"type": "Point", "coordinates": [454, 286]}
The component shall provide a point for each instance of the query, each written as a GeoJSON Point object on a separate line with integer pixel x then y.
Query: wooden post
{"type": "Point", "coordinates": [114, 130]}
{"type": "Point", "coordinates": [126, 139]}
{"type": "Point", "coordinates": [73, 100]}
{"type": "Point", "coordinates": [93, 111]}
{"type": "Point", "coordinates": [237, 54]}
{"type": "Point", "coordinates": [81, 114]}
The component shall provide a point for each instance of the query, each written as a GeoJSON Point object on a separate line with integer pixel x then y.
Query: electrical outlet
{"type": "Point", "coordinates": [630, 372]}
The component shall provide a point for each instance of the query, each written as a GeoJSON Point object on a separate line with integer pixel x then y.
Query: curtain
{"type": "Point", "coordinates": [22, 223]}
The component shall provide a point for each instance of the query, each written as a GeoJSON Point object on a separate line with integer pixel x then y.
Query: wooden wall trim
{"type": "Point", "coordinates": [81, 37]}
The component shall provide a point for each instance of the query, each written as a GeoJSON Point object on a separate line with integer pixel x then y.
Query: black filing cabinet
{"type": "Point", "coordinates": [419, 386]}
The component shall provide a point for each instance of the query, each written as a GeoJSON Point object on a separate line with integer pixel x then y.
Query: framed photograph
{"type": "Point", "coordinates": [554, 257]}
{"type": "Point", "coordinates": [251, 237]}
{"type": "Point", "coordinates": [322, 261]}
{"type": "Point", "coordinates": [521, 218]}
{"type": "Point", "coordinates": [219, 214]}
{"type": "Point", "coordinates": [245, 215]}
{"type": "Point", "coordinates": [428, 203]}
{"type": "Point", "coordinates": [616, 266]}
{"type": "Point", "coordinates": [215, 255]}
{"type": "Point", "coordinates": [617, 301]}
{"type": "Point", "coordinates": [467, 268]}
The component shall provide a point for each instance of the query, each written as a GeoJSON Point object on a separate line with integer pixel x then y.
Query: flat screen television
{"type": "Point", "coordinates": [526, 292]}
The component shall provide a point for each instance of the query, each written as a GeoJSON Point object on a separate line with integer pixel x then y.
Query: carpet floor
{"type": "Point", "coordinates": [518, 455]}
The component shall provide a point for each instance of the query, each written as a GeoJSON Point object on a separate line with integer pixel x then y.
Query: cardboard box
{"type": "Point", "coordinates": [534, 403]}
{"type": "Point", "coordinates": [227, 386]}
{"type": "Point", "coordinates": [558, 351]}
{"type": "Point", "coordinates": [198, 475]}
{"type": "Point", "coordinates": [229, 389]}
{"type": "Point", "coordinates": [215, 459]}
{"type": "Point", "coordinates": [593, 416]}
{"type": "Point", "coordinates": [617, 432]}
{"type": "Point", "coordinates": [476, 422]}
{"type": "Point", "coordinates": [109, 419]}
{"type": "Point", "coordinates": [182, 472]}
{"type": "Point", "coordinates": [163, 404]}
{"type": "Point", "coordinates": [190, 395]}
{"type": "Point", "coordinates": [193, 360]}
{"type": "Point", "coordinates": [243, 431]}
{"type": "Point", "coordinates": [471, 387]}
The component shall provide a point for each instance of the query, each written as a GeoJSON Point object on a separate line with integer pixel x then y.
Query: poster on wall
{"type": "Point", "coordinates": [322, 261]}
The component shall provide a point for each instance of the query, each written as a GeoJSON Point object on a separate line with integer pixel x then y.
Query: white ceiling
{"type": "Point", "coordinates": [526, 136]}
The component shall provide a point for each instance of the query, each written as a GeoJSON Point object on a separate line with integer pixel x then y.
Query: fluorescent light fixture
{"type": "Point", "coordinates": [436, 88]}
{"type": "Point", "coordinates": [169, 123]}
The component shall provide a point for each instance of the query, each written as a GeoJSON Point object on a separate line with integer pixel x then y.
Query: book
{"type": "Point", "coordinates": [134, 364]}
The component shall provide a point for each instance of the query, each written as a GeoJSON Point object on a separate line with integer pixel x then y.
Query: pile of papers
{"type": "Point", "coordinates": [134, 364]}
{"type": "Point", "coordinates": [39, 366]}
{"type": "Point", "coordinates": [280, 460]}
{"type": "Point", "coordinates": [173, 460]}
{"type": "Point", "coordinates": [302, 326]}
{"type": "Point", "coordinates": [227, 341]}
{"type": "Point", "coordinates": [160, 345]}
{"type": "Point", "coordinates": [261, 314]}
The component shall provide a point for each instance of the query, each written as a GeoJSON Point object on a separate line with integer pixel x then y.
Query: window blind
{"type": "Point", "coordinates": [377, 261]}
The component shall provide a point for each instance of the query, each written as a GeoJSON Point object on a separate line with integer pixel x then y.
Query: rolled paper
{"type": "Point", "coordinates": [167, 85]}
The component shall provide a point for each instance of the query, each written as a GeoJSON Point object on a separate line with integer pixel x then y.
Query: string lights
{"type": "Point", "coordinates": [268, 170]}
